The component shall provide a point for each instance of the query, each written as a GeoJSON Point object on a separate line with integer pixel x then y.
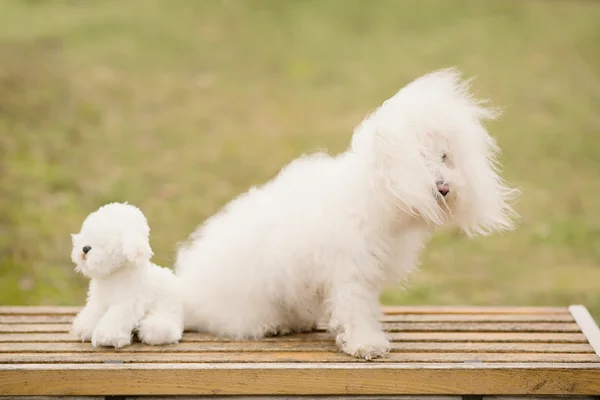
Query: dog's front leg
{"type": "Point", "coordinates": [115, 329]}
{"type": "Point", "coordinates": [355, 320]}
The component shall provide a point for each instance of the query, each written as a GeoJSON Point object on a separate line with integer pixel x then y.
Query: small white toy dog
{"type": "Point", "coordinates": [323, 237]}
{"type": "Point", "coordinates": [127, 292]}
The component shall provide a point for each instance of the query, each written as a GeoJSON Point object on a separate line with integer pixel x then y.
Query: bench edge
{"type": "Point", "coordinates": [588, 326]}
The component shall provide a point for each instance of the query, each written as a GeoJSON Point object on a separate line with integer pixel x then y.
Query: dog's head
{"type": "Point", "coordinates": [462, 176]}
{"type": "Point", "coordinates": [114, 236]}
{"type": "Point", "coordinates": [433, 158]}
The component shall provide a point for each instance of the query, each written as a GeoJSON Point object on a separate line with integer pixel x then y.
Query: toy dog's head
{"type": "Point", "coordinates": [114, 236]}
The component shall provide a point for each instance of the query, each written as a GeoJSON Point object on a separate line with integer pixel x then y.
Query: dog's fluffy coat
{"type": "Point", "coordinates": [320, 240]}
{"type": "Point", "coordinates": [127, 292]}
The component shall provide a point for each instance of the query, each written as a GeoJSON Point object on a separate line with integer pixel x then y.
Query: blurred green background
{"type": "Point", "coordinates": [178, 106]}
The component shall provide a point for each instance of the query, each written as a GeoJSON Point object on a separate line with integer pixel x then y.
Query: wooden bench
{"type": "Point", "coordinates": [451, 351]}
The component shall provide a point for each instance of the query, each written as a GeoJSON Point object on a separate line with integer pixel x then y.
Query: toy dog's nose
{"type": "Point", "coordinates": [86, 249]}
{"type": "Point", "coordinates": [443, 188]}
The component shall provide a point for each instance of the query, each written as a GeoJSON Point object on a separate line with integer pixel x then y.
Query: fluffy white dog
{"type": "Point", "coordinates": [321, 239]}
{"type": "Point", "coordinates": [127, 292]}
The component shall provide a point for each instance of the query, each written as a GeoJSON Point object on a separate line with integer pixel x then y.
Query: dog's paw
{"type": "Point", "coordinates": [278, 331]}
{"type": "Point", "coordinates": [81, 330]}
{"type": "Point", "coordinates": [275, 329]}
{"type": "Point", "coordinates": [367, 346]}
{"type": "Point", "coordinates": [159, 331]}
{"type": "Point", "coordinates": [110, 338]}
{"type": "Point", "coordinates": [304, 328]}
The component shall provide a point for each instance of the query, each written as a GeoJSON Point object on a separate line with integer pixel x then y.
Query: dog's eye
{"type": "Point", "coordinates": [444, 156]}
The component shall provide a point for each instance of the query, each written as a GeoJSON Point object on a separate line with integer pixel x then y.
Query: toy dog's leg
{"type": "Point", "coordinates": [116, 326]}
{"type": "Point", "coordinates": [163, 325]}
{"type": "Point", "coordinates": [87, 320]}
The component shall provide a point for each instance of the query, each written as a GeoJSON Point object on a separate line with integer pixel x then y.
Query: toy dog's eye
{"type": "Point", "coordinates": [444, 156]}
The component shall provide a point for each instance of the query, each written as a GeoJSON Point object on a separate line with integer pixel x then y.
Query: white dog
{"type": "Point", "coordinates": [323, 237]}
{"type": "Point", "coordinates": [127, 292]}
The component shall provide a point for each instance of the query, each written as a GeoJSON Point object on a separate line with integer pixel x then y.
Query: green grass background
{"type": "Point", "coordinates": [178, 106]}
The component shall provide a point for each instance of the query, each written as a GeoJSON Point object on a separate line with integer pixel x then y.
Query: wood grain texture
{"type": "Point", "coordinates": [299, 347]}
{"type": "Point", "coordinates": [36, 319]}
{"type": "Point", "coordinates": [39, 310]}
{"type": "Point", "coordinates": [475, 318]}
{"type": "Point", "coordinates": [294, 379]}
{"type": "Point", "coordinates": [473, 310]}
{"type": "Point", "coordinates": [71, 310]}
{"type": "Point", "coordinates": [323, 336]}
{"type": "Point", "coordinates": [388, 326]}
{"type": "Point", "coordinates": [297, 357]}
{"type": "Point", "coordinates": [59, 318]}
{"type": "Point", "coordinates": [481, 327]}
{"type": "Point", "coordinates": [37, 328]}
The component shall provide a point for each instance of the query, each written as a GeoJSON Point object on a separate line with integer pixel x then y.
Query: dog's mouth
{"type": "Point", "coordinates": [440, 197]}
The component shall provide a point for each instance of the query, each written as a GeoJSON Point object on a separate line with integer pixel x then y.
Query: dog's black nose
{"type": "Point", "coordinates": [86, 249]}
{"type": "Point", "coordinates": [443, 188]}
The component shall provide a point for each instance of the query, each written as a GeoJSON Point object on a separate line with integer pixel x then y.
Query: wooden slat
{"type": "Point", "coordinates": [473, 310]}
{"type": "Point", "coordinates": [279, 356]}
{"type": "Point", "coordinates": [322, 336]}
{"type": "Point", "coordinates": [36, 319]}
{"type": "Point", "coordinates": [70, 310]}
{"type": "Point", "coordinates": [39, 310]}
{"type": "Point", "coordinates": [474, 318]}
{"type": "Point", "coordinates": [36, 337]}
{"type": "Point", "coordinates": [26, 328]}
{"type": "Point", "coordinates": [307, 379]}
{"type": "Point", "coordinates": [482, 327]}
{"type": "Point", "coordinates": [298, 347]}
{"type": "Point", "coordinates": [55, 319]}
{"type": "Point", "coordinates": [389, 326]}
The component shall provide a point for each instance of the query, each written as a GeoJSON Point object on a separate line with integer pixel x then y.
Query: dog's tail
{"type": "Point", "coordinates": [394, 138]}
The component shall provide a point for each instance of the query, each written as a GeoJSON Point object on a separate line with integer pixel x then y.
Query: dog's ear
{"type": "Point", "coordinates": [137, 249]}
{"type": "Point", "coordinates": [74, 238]}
